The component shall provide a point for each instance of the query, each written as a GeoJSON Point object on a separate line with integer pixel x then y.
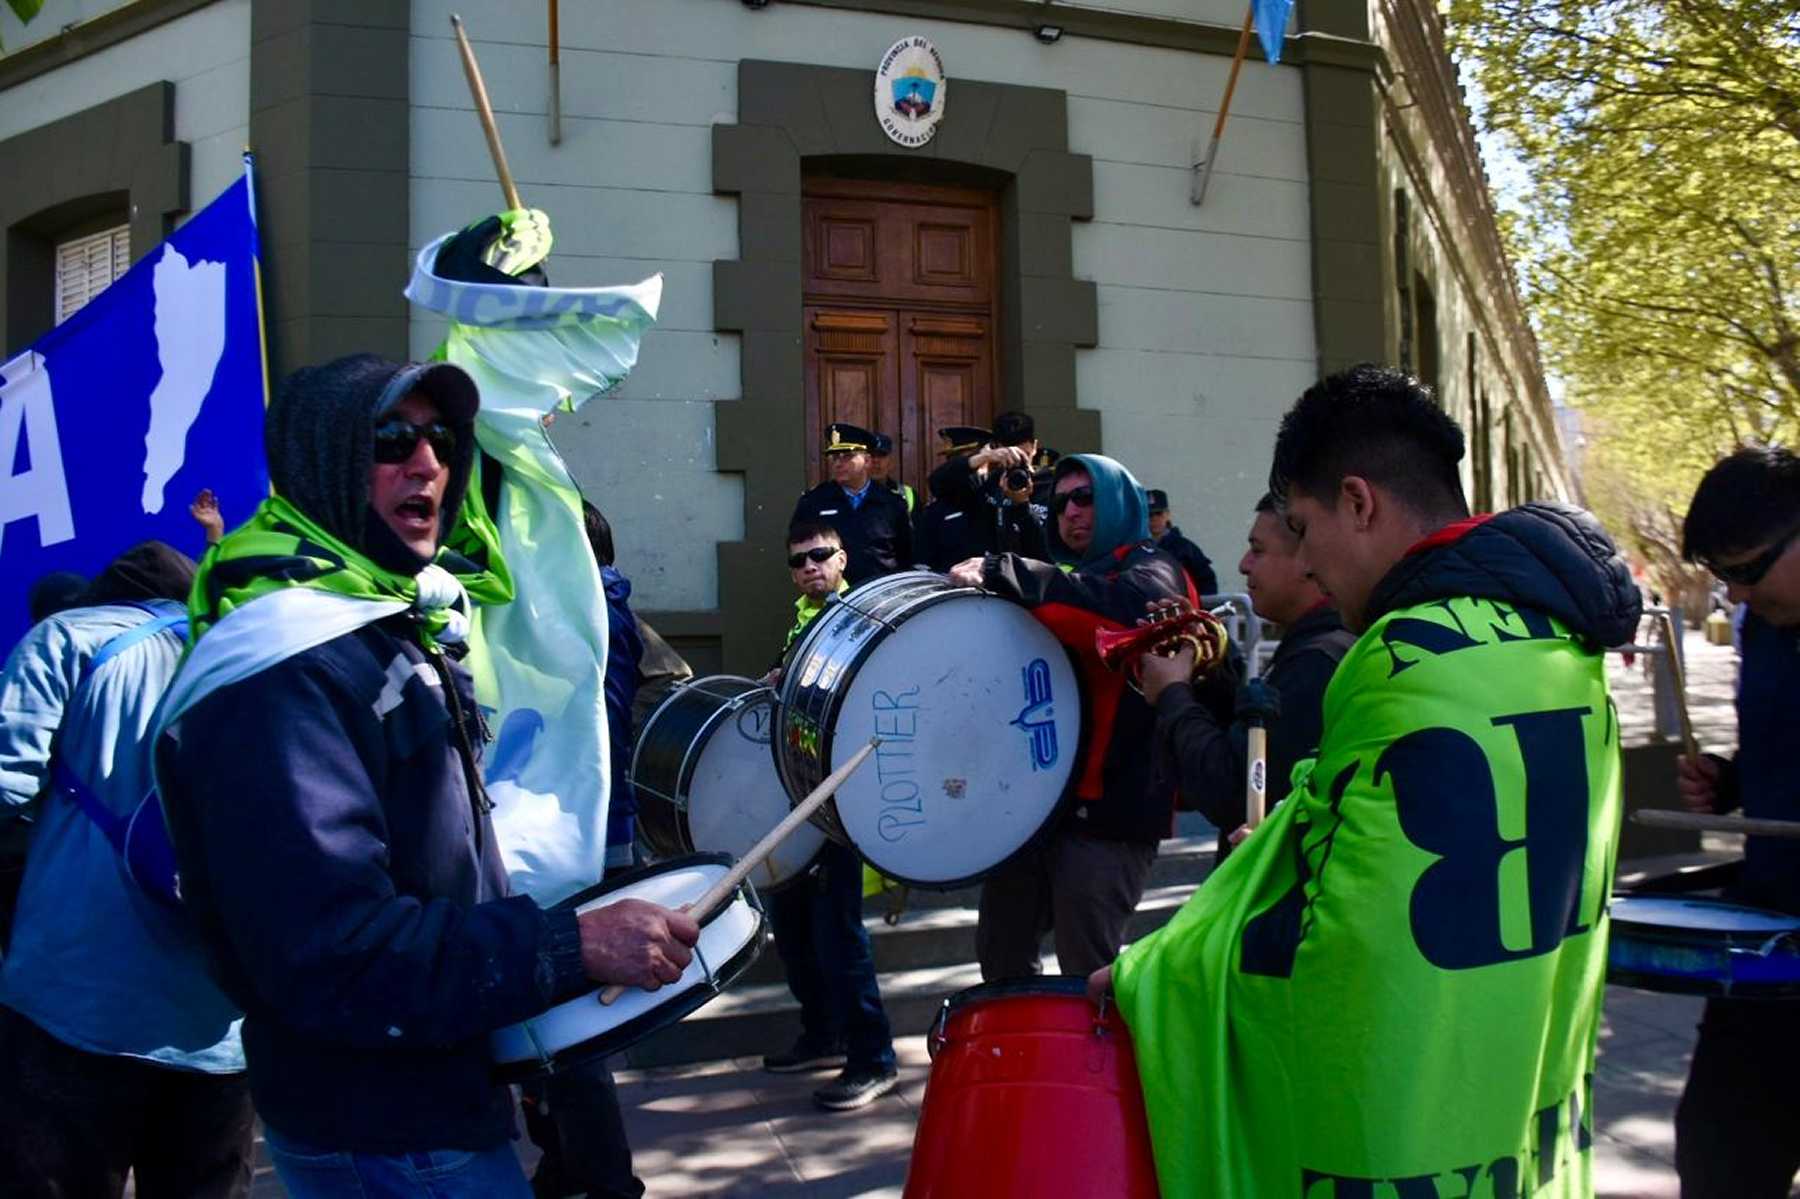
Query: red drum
{"type": "Point", "coordinates": [1033, 1092]}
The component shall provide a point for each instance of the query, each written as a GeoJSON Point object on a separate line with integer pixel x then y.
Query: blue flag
{"type": "Point", "coordinates": [1271, 25]}
{"type": "Point", "coordinates": [113, 421]}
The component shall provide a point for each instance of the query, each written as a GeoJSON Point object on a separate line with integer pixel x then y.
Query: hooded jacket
{"type": "Point", "coordinates": [336, 849]}
{"type": "Point", "coordinates": [1116, 790]}
{"type": "Point", "coordinates": [1398, 976]}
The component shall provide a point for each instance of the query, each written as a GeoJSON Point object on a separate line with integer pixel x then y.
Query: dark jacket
{"type": "Point", "coordinates": [1116, 791]}
{"type": "Point", "coordinates": [1192, 559]}
{"type": "Point", "coordinates": [969, 516]}
{"type": "Point", "coordinates": [877, 535]}
{"type": "Point", "coordinates": [624, 653]}
{"type": "Point", "coordinates": [345, 875]}
{"type": "Point", "coordinates": [1209, 757]}
{"type": "Point", "coordinates": [1548, 558]}
{"type": "Point", "coordinates": [1764, 777]}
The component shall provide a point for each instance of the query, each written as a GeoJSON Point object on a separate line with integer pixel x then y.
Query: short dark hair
{"type": "Point", "coordinates": [802, 531]}
{"type": "Point", "coordinates": [1380, 424]}
{"type": "Point", "coordinates": [1268, 503]}
{"type": "Point", "coordinates": [56, 592]}
{"type": "Point", "coordinates": [1745, 501]}
{"type": "Point", "coordinates": [599, 533]}
{"type": "Point", "coordinates": [1014, 428]}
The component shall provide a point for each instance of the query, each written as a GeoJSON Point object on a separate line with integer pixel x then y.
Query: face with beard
{"type": "Point", "coordinates": [407, 481]}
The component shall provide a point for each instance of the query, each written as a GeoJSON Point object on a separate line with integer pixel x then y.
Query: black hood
{"type": "Point", "coordinates": [319, 437]}
{"type": "Point", "coordinates": [1550, 557]}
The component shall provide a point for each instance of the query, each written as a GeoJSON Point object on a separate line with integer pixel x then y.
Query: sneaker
{"type": "Point", "coordinates": [802, 1057]}
{"type": "Point", "coordinates": [855, 1087]}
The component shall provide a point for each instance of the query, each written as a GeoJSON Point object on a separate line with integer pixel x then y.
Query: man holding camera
{"type": "Point", "coordinates": [982, 493]}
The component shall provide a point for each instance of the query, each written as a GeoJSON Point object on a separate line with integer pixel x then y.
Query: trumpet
{"type": "Point", "coordinates": [1169, 629]}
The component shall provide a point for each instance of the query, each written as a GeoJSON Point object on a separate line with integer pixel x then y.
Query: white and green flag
{"type": "Point", "coordinates": [540, 661]}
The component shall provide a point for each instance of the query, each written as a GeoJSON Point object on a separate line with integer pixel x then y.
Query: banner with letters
{"type": "Point", "coordinates": [112, 422]}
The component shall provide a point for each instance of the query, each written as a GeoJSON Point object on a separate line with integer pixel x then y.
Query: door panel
{"type": "Point", "coordinates": [852, 374]}
{"type": "Point", "coordinates": [947, 378]}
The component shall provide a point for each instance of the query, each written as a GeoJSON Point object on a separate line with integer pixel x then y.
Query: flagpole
{"type": "Point", "coordinates": [1202, 171]}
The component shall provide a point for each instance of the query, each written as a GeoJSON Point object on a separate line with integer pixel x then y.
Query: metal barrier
{"type": "Point", "coordinates": [1243, 625]}
{"type": "Point", "coordinates": [1664, 701]}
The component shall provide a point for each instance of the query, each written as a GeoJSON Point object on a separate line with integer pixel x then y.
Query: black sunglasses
{"type": "Point", "coordinates": [1749, 574]}
{"type": "Point", "coordinates": [818, 553]}
{"type": "Point", "coordinates": [1081, 497]}
{"type": "Point", "coordinates": [395, 441]}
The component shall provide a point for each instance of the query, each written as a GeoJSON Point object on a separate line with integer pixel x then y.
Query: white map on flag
{"type": "Point", "coordinates": [190, 340]}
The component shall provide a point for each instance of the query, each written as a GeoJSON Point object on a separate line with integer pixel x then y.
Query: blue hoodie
{"type": "Point", "coordinates": [1121, 509]}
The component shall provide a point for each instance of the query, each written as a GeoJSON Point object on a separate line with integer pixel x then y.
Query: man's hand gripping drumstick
{"type": "Point", "coordinates": [722, 891]}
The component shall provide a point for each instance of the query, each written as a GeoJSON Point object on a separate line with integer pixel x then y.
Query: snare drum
{"type": "Point", "coordinates": [1033, 1092]}
{"type": "Point", "coordinates": [705, 782]}
{"type": "Point", "coordinates": [1703, 947]}
{"type": "Point", "coordinates": [582, 1028]}
{"type": "Point", "coordinates": [976, 706]}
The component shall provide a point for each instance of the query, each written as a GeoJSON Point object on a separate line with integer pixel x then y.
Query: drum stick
{"type": "Point", "coordinates": [1707, 822]}
{"type": "Point", "coordinates": [722, 890]}
{"type": "Point", "coordinates": [485, 111]}
{"type": "Point", "coordinates": [1256, 791]}
{"type": "Point", "coordinates": [1678, 678]}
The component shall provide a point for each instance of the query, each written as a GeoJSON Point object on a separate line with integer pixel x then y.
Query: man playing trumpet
{"type": "Point", "coordinates": [1087, 878]}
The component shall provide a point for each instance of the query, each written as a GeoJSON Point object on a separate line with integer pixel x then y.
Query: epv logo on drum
{"type": "Point", "coordinates": [1037, 718]}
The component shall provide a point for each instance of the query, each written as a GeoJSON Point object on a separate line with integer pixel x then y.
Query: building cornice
{"type": "Point", "coordinates": [83, 38]}
{"type": "Point", "coordinates": [1426, 81]}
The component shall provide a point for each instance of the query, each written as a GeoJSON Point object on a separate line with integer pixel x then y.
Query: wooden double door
{"type": "Point", "coordinates": [900, 317]}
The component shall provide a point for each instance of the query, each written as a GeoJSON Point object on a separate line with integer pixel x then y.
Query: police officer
{"type": "Point", "coordinates": [881, 466]}
{"type": "Point", "coordinates": [1169, 538]}
{"type": "Point", "coordinates": [983, 495]}
{"type": "Point", "coordinates": [871, 520]}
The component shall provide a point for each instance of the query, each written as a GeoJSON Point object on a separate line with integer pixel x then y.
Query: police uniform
{"type": "Point", "coordinates": [969, 516]}
{"type": "Point", "coordinates": [1192, 558]}
{"type": "Point", "coordinates": [873, 524]}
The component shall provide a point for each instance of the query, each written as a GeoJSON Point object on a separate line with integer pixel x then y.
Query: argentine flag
{"type": "Point", "coordinates": [113, 421]}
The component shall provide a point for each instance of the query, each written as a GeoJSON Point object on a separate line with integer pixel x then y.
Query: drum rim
{"type": "Point", "coordinates": [664, 1015]}
{"type": "Point", "coordinates": [1040, 986]}
{"type": "Point", "coordinates": [684, 775]}
{"type": "Point", "coordinates": [827, 734]}
{"type": "Point", "coordinates": [1664, 933]}
{"type": "Point", "coordinates": [651, 870]}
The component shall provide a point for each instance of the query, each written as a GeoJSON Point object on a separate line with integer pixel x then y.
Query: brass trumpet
{"type": "Point", "coordinates": [1169, 629]}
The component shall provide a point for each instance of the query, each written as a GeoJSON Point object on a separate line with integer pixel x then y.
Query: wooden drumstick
{"type": "Point", "coordinates": [1678, 678]}
{"type": "Point", "coordinates": [1709, 823]}
{"type": "Point", "coordinates": [485, 111]}
{"type": "Point", "coordinates": [721, 891]}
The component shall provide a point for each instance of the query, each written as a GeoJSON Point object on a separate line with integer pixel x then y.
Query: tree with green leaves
{"type": "Point", "coordinates": [1656, 221]}
{"type": "Point", "coordinates": [24, 10]}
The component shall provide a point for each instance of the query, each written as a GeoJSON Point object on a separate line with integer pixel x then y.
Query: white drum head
{"type": "Point", "coordinates": [736, 797]}
{"type": "Point", "coordinates": [980, 721]}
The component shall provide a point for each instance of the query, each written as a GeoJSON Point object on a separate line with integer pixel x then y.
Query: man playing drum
{"type": "Point", "coordinates": [1737, 1131]}
{"type": "Point", "coordinates": [321, 775]}
{"type": "Point", "coordinates": [1085, 880]}
{"type": "Point", "coordinates": [817, 919]}
{"type": "Point", "coordinates": [1394, 985]}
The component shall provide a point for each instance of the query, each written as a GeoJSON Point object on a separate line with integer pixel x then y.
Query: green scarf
{"type": "Point", "coordinates": [280, 546]}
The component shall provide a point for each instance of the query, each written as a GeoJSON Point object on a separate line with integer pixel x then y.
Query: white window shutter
{"type": "Point", "coordinates": [86, 266]}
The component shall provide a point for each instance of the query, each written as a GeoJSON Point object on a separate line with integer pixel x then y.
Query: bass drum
{"type": "Point", "coordinates": [978, 713]}
{"type": "Point", "coordinates": [705, 784]}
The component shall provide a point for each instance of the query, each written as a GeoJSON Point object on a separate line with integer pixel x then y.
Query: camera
{"type": "Point", "coordinates": [1017, 479]}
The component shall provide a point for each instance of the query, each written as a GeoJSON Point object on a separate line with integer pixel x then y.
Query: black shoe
{"type": "Point", "coordinates": [855, 1087]}
{"type": "Point", "coordinates": [802, 1057]}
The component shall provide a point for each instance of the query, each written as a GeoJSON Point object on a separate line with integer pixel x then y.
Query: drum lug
{"type": "Point", "coordinates": [935, 1039]}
